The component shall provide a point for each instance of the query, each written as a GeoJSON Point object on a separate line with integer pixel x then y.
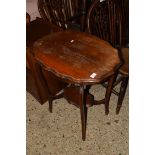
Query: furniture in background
{"type": "Point", "coordinates": [35, 30]}
{"type": "Point", "coordinates": [56, 15]}
{"type": "Point", "coordinates": [124, 6]}
{"type": "Point", "coordinates": [104, 19]}
{"type": "Point", "coordinates": [68, 14]}
{"type": "Point", "coordinates": [123, 78]}
{"type": "Point", "coordinates": [78, 60]}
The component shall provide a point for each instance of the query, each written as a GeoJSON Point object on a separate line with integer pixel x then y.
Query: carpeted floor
{"type": "Point", "coordinates": [59, 133]}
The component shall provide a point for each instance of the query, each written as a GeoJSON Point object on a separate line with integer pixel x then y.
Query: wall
{"type": "Point", "coordinates": [32, 9]}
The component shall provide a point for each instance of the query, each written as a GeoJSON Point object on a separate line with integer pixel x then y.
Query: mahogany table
{"type": "Point", "coordinates": [80, 60]}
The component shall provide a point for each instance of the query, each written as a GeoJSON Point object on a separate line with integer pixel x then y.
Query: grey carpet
{"type": "Point", "coordinates": [59, 133]}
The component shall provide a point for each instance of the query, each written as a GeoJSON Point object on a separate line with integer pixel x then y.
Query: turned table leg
{"type": "Point", "coordinates": [83, 111]}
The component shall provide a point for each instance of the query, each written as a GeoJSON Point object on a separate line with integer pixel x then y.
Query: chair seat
{"type": "Point", "coordinates": [125, 67]}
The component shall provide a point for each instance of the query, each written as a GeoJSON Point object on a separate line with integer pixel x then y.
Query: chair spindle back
{"type": "Point", "coordinates": [60, 12]}
{"type": "Point", "coordinates": [104, 21]}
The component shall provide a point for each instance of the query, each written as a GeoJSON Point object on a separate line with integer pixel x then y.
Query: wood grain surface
{"type": "Point", "coordinates": [76, 56]}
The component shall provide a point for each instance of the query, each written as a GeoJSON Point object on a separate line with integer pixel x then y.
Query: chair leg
{"type": "Point", "coordinates": [108, 93]}
{"type": "Point", "coordinates": [122, 93]}
{"type": "Point", "coordinates": [83, 111]}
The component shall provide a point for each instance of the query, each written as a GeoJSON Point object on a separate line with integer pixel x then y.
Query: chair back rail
{"type": "Point", "coordinates": [60, 12]}
{"type": "Point", "coordinates": [104, 21]}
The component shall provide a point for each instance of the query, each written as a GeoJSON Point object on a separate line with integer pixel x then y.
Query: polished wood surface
{"type": "Point", "coordinates": [77, 57]}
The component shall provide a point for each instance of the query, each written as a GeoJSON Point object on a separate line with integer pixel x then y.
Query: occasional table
{"type": "Point", "coordinates": [80, 60]}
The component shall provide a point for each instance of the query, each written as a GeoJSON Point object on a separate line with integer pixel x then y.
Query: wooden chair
{"type": "Point", "coordinates": [104, 20]}
{"type": "Point", "coordinates": [64, 13]}
{"type": "Point", "coordinates": [57, 15]}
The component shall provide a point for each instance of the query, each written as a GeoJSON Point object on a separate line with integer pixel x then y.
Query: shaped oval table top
{"type": "Point", "coordinates": [76, 56]}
